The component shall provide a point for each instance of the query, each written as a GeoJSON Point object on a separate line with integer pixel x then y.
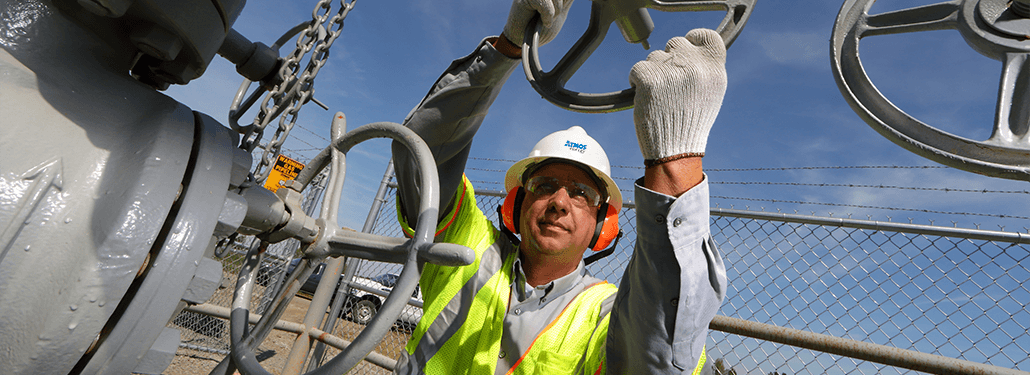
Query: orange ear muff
{"type": "Point", "coordinates": [511, 208]}
{"type": "Point", "coordinates": [607, 227]}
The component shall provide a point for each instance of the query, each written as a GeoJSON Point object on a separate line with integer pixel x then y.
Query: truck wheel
{"type": "Point", "coordinates": [364, 311]}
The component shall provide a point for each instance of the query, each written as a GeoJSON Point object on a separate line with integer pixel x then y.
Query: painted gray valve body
{"type": "Point", "coordinates": [113, 196]}
{"type": "Point", "coordinates": [112, 192]}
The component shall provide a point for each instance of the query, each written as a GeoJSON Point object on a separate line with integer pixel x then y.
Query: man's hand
{"type": "Point", "coordinates": [678, 95]}
{"type": "Point", "coordinates": [552, 16]}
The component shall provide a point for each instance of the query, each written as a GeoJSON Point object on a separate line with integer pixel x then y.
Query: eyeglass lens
{"type": "Point", "coordinates": [544, 185]}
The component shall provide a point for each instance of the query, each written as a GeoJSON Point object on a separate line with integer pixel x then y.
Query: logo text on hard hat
{"type": "Point", "coordinates": [580, 147]}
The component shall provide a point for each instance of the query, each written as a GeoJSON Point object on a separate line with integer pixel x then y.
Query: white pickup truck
{"type": "Point", "coordinates": [366, 296]}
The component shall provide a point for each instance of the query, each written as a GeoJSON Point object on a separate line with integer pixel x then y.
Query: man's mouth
{"type": "Point", "coordinates": [546, 224]}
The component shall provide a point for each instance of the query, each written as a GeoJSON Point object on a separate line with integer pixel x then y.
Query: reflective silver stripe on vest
{"type": "Point", "coordinates": [606, 308]}
{"type": "Point", "coordinates": [453, 316]}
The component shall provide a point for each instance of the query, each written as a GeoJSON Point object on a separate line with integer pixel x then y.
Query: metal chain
{"type": "Point", "coordinates": [297, 87]}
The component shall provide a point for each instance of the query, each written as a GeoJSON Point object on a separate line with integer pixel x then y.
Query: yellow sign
{"type": "Point", "coordinates": [285, 169]}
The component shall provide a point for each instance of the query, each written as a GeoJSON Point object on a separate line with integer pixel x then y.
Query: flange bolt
{"type": "Point", "coordinates": [1021, 8]}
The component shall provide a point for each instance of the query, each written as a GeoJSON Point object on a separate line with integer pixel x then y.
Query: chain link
{"type": "Point", "coordinates": [297, 87]}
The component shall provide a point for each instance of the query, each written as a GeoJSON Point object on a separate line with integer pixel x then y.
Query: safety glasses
{"type": "Point", "coordinates": [581, 194]}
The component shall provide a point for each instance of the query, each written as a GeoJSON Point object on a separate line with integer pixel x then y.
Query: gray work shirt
{"type": "Point", "coordinates": [531, 309]}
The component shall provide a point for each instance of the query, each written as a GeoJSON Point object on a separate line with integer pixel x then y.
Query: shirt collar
{"type": "Point", "coordinates": [560, 285]}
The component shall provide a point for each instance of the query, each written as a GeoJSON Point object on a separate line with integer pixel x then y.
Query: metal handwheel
{"type": "Point", "coordinates": [995, 29]}
{"type": "Point", "coordinates": [636, 26]}
{"type": "Point", "coordinates": [329, 241]}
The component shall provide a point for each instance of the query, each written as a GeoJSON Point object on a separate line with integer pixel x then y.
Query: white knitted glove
{"type": "Point", "coordinates": [678, 95]}
{"type": "Point", "coordinates": [552, 16]}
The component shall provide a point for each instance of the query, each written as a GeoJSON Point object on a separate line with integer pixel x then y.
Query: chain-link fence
{"type": "Point", "coordinates": [950, 292]}
{"type": "Point", "coordinates": [205, 339]}
{"type": "Point", "coordinates": [945, 291]}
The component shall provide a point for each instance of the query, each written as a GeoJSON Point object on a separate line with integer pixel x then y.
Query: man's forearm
{"type": "Point", "coordinates": [447, 119]}
{"type": "Point", "coordinates": [674, 177]}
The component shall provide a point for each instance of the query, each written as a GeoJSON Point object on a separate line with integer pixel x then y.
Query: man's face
{"type": "Point", "coordinates": [559, 213]}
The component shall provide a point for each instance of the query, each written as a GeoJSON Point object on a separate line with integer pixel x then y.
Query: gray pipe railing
{"type": "Point", "coordinates": [882, 354]}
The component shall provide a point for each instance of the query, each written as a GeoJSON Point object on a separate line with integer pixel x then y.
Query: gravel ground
{"type": "Point", "coordinates": [273, 351]}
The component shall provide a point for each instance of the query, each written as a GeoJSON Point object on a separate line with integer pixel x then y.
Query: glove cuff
{"type": "Point", "coordinates": [653, 162]}
{"type": "Point", "coordinates": [506, 47]}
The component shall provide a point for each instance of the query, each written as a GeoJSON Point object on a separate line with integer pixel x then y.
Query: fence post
{"type": "Point", "coordinates": [350, 268]}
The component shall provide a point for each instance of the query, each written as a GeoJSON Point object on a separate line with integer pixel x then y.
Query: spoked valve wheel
{"type": "Point", "coordinates": [995, 29]}
{"type": "Point", "coordinates": [636, 25]}
{"type": "Point", "coordinates": [329, 241]}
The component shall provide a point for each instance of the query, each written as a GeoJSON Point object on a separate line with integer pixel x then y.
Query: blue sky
{"type": "Point", "coordinates": [782, 109]}
{"type": "Point", "coordinates": [783, 120]}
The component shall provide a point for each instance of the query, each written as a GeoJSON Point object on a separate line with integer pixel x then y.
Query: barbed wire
{"type": "Point", "coordinates": [868, 186]}
{"type": "Point", "coordinates": [303, 149]}
{"type": "Point", "coordinates": [306, 143]}
{"type": "Point", "coordinates": [985, 191]}
{"type": "Point", "coordinates": [763, 168]}
{"type": "Point", "coordinates": [1002, 216]}
{"type": "Point", "coordinates": [872, 186]}
{"type": "Point", "coordinates": [485, 170]}
{"type": "Point", "coordinates": [327, 141]}
{"type": "Point", "coordinates": [490, 159]}
{"type": "Point", "coordinates": [808, 168]}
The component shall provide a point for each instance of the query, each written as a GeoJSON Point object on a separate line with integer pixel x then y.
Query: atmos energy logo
{"type": "Point", "coordinates": [581, 148]}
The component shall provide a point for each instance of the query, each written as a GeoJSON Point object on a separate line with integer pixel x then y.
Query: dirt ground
{"type": "Point", "coordinates": [273, 351]}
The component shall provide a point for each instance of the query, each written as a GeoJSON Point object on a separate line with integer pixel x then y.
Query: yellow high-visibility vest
{"type": "Point", "coordinates": [575, 340]}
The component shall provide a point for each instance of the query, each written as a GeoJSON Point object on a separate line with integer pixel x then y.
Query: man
{"type": "Point", "coordinates": [531, 307]}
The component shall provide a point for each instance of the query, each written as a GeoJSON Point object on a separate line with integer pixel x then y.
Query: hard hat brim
{"type": "Point", "coordinates": [513, 178]}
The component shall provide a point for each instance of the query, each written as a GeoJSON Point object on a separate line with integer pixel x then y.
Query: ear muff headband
{"type": "Point", "coordinates": [607, 227]}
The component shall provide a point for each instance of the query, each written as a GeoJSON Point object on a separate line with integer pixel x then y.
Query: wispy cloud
{"type": "Point", "coordinates": [797, 49]}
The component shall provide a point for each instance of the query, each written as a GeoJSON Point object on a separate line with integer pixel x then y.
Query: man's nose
{"type": "Point", "coordinates": [560, 200]}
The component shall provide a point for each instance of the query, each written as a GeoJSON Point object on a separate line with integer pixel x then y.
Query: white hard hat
{"type": "Point", "coordinates": [572, 144]}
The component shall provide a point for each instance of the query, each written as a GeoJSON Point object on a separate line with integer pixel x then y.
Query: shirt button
{"type": "Point", "coordinates": [501, 354]}
{"type": "Point", "coordinates": [518, 311]}
{"type": "Point", "coordinates": [659, 218]}
{"type": "Point", "coordinates": [677, 222]}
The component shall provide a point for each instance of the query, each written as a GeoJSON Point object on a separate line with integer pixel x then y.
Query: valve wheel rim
{"type": "Point", "coordinates": [382, 321]}
{"type": "Point", "coordinates": [1006, 154]}
{"type": "Point", "coordinates": [551, 85]}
